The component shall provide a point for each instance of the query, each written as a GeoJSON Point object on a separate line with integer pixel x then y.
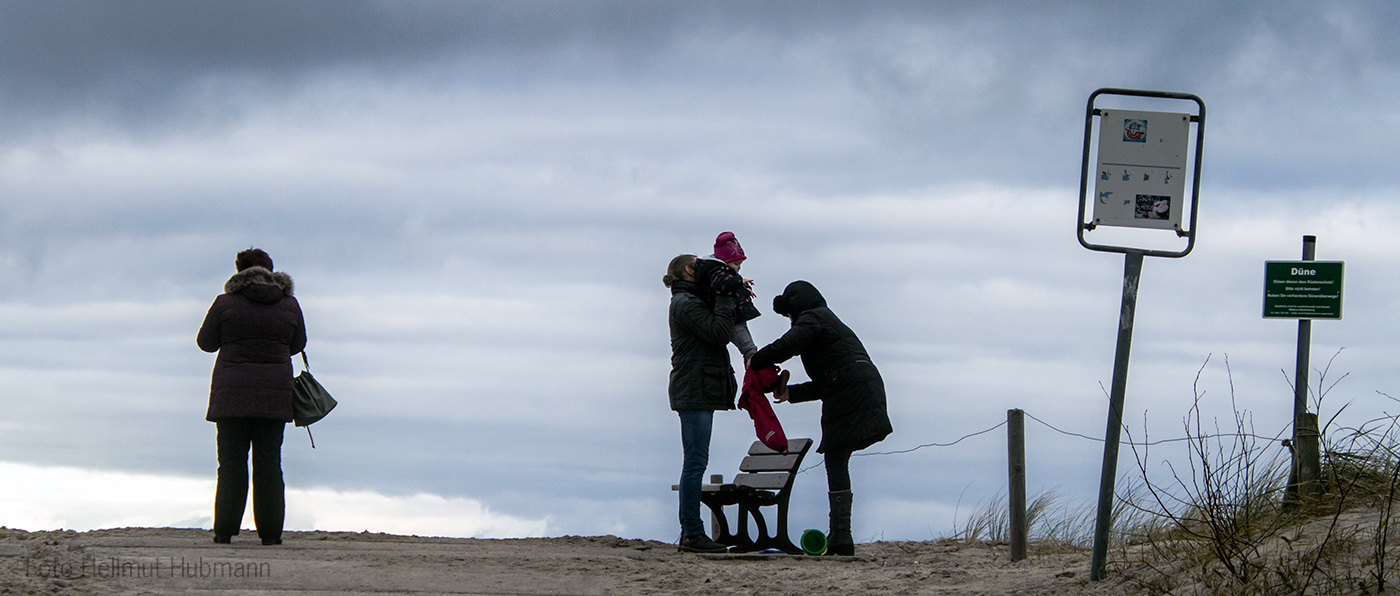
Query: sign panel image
{"type": "Point", "coordinates": [1303, 289]}
{"type": "Point", "coordinates": [1141, 177]}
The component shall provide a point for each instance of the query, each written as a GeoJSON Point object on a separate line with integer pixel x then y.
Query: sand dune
{"type": "Point", "coordinates": [168, 561]}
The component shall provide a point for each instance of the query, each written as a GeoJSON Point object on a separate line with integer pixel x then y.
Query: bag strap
{"type": "Point", "coordinates": [304, 363]}
{"type": "Point", "coordinates": [309, 437]}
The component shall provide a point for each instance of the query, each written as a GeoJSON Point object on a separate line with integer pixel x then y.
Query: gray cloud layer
{"type": "Point", "coordinates": [939, 87]}
{"type": "Point", "coordinates": [476, 200]}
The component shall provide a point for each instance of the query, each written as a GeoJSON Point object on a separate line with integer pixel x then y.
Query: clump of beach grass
{"type": "Point", "coordinates": [1222, 521]}
{"type": "Point", "coordinates": [1226, 523]}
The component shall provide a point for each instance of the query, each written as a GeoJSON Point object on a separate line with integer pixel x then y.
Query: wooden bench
{"type": "Point", "coordinates": [765, 480]}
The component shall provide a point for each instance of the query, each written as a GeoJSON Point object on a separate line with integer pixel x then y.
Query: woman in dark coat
{"type": "Point", "coordinates": [702, 381]}
{"type": "Point", "coordinates": [847, 383]}
{"type": "Point", "coordinates": [255, 326]}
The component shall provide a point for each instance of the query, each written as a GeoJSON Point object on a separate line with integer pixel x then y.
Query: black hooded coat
{"type": "Point", "coordinates": [854, 415]}
{"type": "Point", "coordinates": [255, 326]}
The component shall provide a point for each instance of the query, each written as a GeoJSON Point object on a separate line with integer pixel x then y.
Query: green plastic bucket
{"type": "Point", "coordinates": [813, 542]}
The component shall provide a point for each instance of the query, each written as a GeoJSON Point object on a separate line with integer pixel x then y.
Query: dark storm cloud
{"type": "Point", "coordinates": [958, 90]}
{"type": "Point", "coordinates": [999, 93]}
{"type": "Point", "coordinates": [137, 62]}
{"type": "Point", "coordinates": [84, 51]}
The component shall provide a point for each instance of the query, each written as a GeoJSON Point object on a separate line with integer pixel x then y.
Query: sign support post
{"type": "Point", "coordinates": [1303, 290]}
{"type": "Point", "coordinates": [1300, 375]}
{"type": "Point", "coordinates": [1306, 456]}
{"type": "Point", "coordinates": [1140, 182]}
{"type": "Point", "coordinates": [1132, 272]}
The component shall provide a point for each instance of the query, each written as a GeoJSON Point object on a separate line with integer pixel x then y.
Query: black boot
{"type": "Point", "coordinates": [839, 541]}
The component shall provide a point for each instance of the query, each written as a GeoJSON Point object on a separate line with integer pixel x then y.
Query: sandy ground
{"type": "Point", "coordinates": [170, 561]}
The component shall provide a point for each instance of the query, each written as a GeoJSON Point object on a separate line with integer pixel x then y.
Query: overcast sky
{"type": "Point", "coordinates": [477, 201]}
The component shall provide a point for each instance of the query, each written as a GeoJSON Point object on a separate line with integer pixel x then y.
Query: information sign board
{"type": "Point", "coordinates": [1141, 177]}
{"type": "Point", "coordinates": [1303, 289]}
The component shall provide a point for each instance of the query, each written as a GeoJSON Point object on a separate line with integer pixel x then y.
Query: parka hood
{"type": "Point", "coordinates": [248, 278]}
{"type": "Point", "coordinates": [797, 297]}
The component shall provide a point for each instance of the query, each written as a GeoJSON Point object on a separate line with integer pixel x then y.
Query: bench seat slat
{"type": "Point", "coordinates": [707, 488]}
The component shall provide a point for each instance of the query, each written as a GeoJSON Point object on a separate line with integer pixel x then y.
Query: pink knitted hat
{"type": "Point", "coordinates": [727, 248]}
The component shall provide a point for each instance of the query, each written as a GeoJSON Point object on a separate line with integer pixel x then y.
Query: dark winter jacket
{"type": "Point", "coordinates": [853, 394]}
{"type": "Point", "coordinates": [715, 278]}
{"type": "Point", "coordinates": [701, 377]}
{"type": "Point", "coordinates": [255, 326]}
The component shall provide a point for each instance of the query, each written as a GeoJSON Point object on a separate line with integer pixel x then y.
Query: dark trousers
{"type": "Point", "coordinates": [264, 436]}
{"type": "Point", "coordinates": [838, 469]}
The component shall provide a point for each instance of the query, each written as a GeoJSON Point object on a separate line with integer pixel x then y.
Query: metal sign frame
{"type": "Point", "coordinates": [1199, 119]}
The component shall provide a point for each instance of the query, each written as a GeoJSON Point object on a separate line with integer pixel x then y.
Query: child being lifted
{"type": "Point", "coordinates": [718, 275]}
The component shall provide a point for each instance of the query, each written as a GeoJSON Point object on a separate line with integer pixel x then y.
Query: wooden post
{"type": "Point", "coordinates": [1308, 458]}
{"type": "Point", "coordinates": [1302, 477]}
{"type": "Point", "coordinates": [1016, 468]}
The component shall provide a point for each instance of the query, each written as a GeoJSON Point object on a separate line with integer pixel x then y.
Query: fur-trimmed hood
{"type": "Point", "coordinates": [260, 276]}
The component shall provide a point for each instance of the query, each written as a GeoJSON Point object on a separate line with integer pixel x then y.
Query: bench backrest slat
{"type": "Point", "coordinates": [769, 463]}
{"type": "Point", "coordinates": [794, 446]}
{"type": "Point", "coordinates": [763, 481]}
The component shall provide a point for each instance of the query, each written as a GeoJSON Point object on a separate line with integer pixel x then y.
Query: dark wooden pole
{"type": "Point", "coordinates": [1016, 468]}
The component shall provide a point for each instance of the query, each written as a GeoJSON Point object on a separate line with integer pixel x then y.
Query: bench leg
{"type": "Point", "coordinates": [719, 525]}
{"type": "Point", "coordinates": [782, 541]}
{"type": "Point", "coordinates": [743, 542]}
{"type": "Point", "coordinates": [779, 539]}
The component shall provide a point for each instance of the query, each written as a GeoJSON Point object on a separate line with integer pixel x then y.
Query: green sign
{"type": "Point", "coordinates": [1303, 289]}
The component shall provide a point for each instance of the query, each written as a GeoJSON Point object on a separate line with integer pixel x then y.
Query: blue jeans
{"type": "Point", "coordinates": [696, 426]}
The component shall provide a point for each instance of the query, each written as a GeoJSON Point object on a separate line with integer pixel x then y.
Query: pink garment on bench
{"type": "Point", "coordinates": [765, 422]}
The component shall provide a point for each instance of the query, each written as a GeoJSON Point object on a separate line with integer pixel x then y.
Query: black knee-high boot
{"type": "Point", "coordinates": [839, 541]}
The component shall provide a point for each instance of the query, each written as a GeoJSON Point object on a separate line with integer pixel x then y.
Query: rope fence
{"type": "Point", "coordinates": [1063, 432]}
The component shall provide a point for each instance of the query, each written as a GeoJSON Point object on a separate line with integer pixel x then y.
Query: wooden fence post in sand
{"type": "Point", "coordinates": [1016, 468]}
